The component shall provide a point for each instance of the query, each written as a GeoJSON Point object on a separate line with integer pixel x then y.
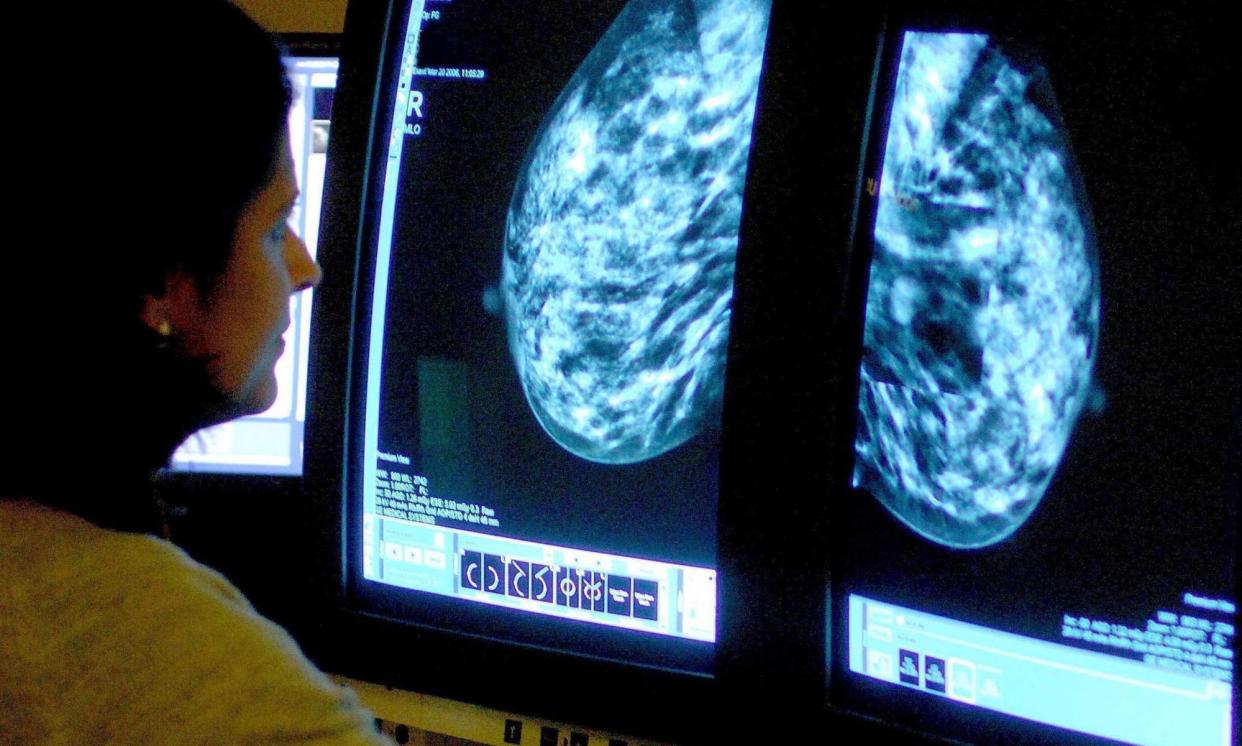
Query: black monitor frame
{"type": "Point", "coordinates": [772, 612]}
{"type": "Point", "coordinates": [1122, 74]}
{"type": "Point", "coordinates": [308, 44]}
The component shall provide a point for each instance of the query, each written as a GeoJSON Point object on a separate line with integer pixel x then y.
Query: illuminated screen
{"type": "Point", "coordinates": [271, 442]}
{"type": "Point", "coordinates": [1043, 523]}
{"type": "Point", "coordinates": [557, 224]}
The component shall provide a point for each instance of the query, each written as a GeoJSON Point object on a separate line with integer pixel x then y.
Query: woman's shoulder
{"type": "Point", "coordinates": [54, 548]}
{"type": "Point", "coordinates": [149, 630]}
{"type": "Point", "coordinates": [88, 580]}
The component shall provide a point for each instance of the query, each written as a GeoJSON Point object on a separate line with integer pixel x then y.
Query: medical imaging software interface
{"type": "Point", "coordinates": [1043, 523]}
{"type": "Point", "coordinates": [271, 442]}
{"type": "Point", "coordinates": [557, 229]}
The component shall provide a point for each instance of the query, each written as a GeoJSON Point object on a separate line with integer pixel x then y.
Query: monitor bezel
{"type": "Point", "coordinates": [872, 705]}
{"type": "Point", "coordinates": [776, 419]}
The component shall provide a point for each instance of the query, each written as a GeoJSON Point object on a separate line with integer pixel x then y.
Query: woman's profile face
{"type": "Point", "coordinates": [239, 327]}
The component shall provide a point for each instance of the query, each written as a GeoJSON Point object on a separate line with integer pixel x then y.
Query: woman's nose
{"type": "Point", "coordinates": [304, 272]}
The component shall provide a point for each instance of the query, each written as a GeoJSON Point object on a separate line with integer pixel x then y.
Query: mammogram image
{"type": "Point", "coordinates": [621, 236]}
{"type": "Point", "coordinates": [982, 315]}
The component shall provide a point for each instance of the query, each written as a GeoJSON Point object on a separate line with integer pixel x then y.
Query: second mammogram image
{"type": "Point", "coordinates": [982, 315]}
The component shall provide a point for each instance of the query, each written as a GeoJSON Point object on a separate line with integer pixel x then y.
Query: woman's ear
{"type": "Point", "coordinates": [176, 309]}
{"type": "Point", "coordinates": [154, 314]}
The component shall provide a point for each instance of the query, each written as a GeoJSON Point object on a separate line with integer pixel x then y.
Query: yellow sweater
{"type": "Point", "coordinates": [109, 637]}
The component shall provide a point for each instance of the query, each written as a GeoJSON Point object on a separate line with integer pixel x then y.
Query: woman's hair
{"type": "Point", "coordinates": [161, 124]}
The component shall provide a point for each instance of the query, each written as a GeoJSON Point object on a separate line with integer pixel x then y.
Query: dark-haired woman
{"type": "Point", "coordinates": [173, 265]}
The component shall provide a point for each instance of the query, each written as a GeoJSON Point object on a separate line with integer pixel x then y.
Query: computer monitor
{"type": "Point", "coordinates": [456, 429]}
{"type": "Point", "coordinates": [270, 443]}
{"type": "Point", "coordinates": [1039, 537]}
{"type": "Point", "coordinates": [564, 404]}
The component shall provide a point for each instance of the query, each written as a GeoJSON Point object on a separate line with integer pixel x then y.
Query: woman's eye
{"type": "Point", "coordinates": [278, 233]}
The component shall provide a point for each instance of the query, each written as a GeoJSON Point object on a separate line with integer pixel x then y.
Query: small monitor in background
{"type": "Point", "coordinates": [271, 442]}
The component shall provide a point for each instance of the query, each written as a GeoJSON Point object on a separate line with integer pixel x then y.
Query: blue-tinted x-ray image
{"type": "Point", "coordinates": [617, 274]}
{"type": "Point", "coordinates": [982, 314]}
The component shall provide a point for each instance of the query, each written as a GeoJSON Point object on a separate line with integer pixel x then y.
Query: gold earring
{"type": "Point", "coordinates": [164, 329]}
